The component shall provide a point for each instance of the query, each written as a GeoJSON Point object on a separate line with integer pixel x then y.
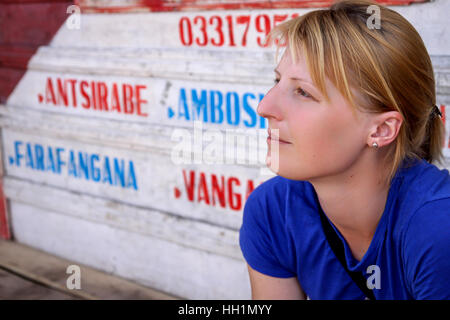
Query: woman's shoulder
{"type": "Point", "coordinates": [424, 188]}
{"type": "Point", "coordinates": [277, 189]}
{"type": "Point", "coordinates": [421, 184]}
{"type": "Point", "coordinates": [425, 250]}
{"type": "Point", "coordinates": [428, 180]}
{"type": "Point", "coordinates": [426, 203]}
{"type": "Point", "coordinates": [264, 233]}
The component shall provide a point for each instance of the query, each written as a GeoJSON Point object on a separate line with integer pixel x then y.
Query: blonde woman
{"type": "Point", "coordinates": [357, 209]}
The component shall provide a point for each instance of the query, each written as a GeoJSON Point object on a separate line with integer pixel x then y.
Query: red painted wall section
{"type": "Point", "coordinates": [91, 6]}
{"type": "Point", "coordinates": [4, 225]}
{"type": "Point", "coordinates": [24, 26]}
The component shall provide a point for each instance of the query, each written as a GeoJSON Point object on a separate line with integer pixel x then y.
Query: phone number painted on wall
{"type": "Point", "coordinates": [230, 30]}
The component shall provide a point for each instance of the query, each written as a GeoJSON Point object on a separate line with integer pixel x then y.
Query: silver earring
{"type": "Point", "coordinates": [375, 145]}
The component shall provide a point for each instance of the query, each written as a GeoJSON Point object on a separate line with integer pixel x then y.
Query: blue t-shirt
{"type": "Point", "coordinates": [282, 236]}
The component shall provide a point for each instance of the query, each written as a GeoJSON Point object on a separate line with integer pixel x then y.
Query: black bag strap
{"type": "Point", "coordinates": [338, 248]}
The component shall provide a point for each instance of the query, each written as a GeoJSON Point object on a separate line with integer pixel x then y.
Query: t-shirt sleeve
{"type": "Point", "coordinates": [427, 251]}
{"type": "Point", "coordinates": [257, 241]}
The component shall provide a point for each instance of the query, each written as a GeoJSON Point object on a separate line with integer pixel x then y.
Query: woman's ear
{"type": "Point", "coordinates": [386, 127]}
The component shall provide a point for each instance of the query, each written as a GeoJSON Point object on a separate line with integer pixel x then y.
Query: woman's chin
{"type": "Point", "coordinates": [272, 164]}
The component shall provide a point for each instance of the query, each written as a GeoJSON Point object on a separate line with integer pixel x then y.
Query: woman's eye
{"type": "Point", "coordinates": [303, 93]}
{"type": "Point", "coordinates": [299, 90]}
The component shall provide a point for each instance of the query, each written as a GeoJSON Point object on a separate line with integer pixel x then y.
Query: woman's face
{"type": "Point", "coordinates": [323, 139]}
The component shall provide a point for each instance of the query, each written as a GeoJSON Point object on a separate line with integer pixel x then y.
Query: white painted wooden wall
{"type": "Point", "coordinates": [152, 234]}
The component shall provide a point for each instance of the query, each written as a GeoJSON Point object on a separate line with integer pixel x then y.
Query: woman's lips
{"type": "Point", "coordinates": [269, 140]}
{"type": "Point", "coordinates": [275, 138]}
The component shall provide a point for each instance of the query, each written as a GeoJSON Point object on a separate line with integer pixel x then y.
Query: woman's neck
{"type": "Point", "coordinates": [354, 200]}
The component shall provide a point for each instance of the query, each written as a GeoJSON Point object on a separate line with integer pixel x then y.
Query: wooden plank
{"type": "Point", "coordinates": [162, 265]}
{"type": "Point", "coordinates": [36, 280]}
{"type": "Point", "coordinates": [146, 179]}
{"type": "Point", "coordinates": [13, 287]}
{"type": "Point", "coordinates": [162, 225]}
{"type": "Point", "coordinates": [37, 267]}
{"type": "Point", "coordinates": [163, 101]}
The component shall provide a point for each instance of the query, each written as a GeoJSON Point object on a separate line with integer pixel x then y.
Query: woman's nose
{"type": "Point", "coordinates": [268, 106]}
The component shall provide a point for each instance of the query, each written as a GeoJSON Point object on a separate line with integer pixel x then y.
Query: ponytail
{"type": "Point", "coordinates": [431, 149]}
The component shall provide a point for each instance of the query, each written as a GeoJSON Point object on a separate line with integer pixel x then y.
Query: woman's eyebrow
{"type": "Point", "coordinates": [294, 78]}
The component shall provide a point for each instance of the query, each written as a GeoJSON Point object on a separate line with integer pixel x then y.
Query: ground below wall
{"type": "Point", "coordinates": [27, 273]}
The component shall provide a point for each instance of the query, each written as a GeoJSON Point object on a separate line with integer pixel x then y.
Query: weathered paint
{"type": "Point", "coordinates": [24, 27]}
{"type": "Point", "coordinates": [17, 45]}
{"type": "Point", "coordinates": [143, 100]}
{"type": "Point", "coordinates": [161, 264]}
{"type": "Point", "coordinates": [108, 6]}
{"type": "Point", "coordinates": [428, 18]}
{"type": "Point", "coordinates": [4, 223]}
{"type": "Point", "coordinates": [138, 177]}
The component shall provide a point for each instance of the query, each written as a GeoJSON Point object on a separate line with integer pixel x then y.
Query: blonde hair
{"type": "Point", "coordinates": [389, 67]}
